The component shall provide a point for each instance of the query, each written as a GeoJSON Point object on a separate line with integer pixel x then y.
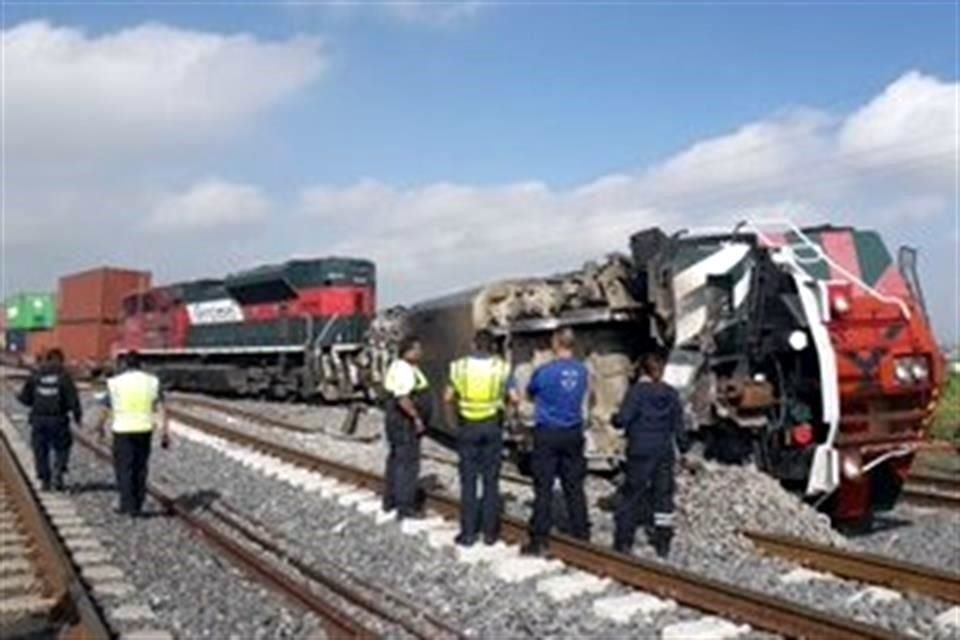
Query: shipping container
{"type": "Point", "coordinates": [30, 311]}
{"type": "Point", "coordinates": [97, 295]}
{"type": "Point", "coordinates": [87, 342]}
{"type": "Point", "coordinates": [39, 342]}
{"type": "Point", "coordinates": [16, 341]}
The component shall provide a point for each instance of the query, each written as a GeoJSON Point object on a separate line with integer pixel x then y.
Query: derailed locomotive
{"type": "Point", "coordinates": [292, 330]}
{"type": "Point", "coordinates": [806, 351]}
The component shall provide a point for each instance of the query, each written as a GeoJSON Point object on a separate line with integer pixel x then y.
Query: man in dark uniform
{"type": "Point", "coordinates": [558, 389]}
{"type": "Point", "coordinates": [407, 416]}
{"type": "Point", "coordinates": [52, 397]}
{"type": "Point", "coordinates": [652, 415]}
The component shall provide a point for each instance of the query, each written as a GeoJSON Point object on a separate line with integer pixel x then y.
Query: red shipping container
{"type": "Point", "coordinates": [39, 342]}
{"type": "Point", "coordinates": [87, 342]}
{"type": "Point", "coordinates": [97, 294]}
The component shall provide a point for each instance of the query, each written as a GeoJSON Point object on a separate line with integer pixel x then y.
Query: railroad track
{"type": "Point", "coordinates": [256, 418]}
{"type": "Point", "coordinates": [41, 594]}
{"type": "Point", "coordinates": [345, 432]}
{"type": "Point", "coordinates": [933, 490]}
{"type": "Point", "coordinates": [268, 557]}
{"type": "Point", "coordinates": [863, 567]}
{"type": "Point", "coordinates": [761, 611]}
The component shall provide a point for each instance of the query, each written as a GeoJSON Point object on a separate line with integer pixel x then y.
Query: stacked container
{"type": "Point", "coordinates": [26, 314]}
{"type": "Point", "coordinates": [89, 311]}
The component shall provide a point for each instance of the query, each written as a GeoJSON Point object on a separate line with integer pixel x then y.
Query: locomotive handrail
{"type": "Point", "coordinates": [821, 255]}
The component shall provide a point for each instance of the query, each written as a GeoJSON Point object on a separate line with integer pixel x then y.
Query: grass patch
{"type": "Point", "coordinates": [947, 424]}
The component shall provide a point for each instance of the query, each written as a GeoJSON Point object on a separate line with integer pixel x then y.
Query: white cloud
{"type": "Point", "coordinates": [209, 204]}
{"type": "Point", "coordinates": [891, 161]}
{"type": "Point", "coordinates": [70, 94]}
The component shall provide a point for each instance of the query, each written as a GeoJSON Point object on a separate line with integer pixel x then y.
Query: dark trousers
{"type": "Point", "coordinates": [403, 466]}
{"type": "Point", "coordinates": [131, 452]}
{"type": "Point", "coordinates": [481, 446]}
{"type": "Point", "coordinates": [558, 453]}
{"type": "Point", "coordinates": [46, 435]}
{"type": "Point", "coordinates": [646, 496]}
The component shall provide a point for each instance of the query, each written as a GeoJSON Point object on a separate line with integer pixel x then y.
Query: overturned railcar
{"type": "Point", "coordinates": [806, 351]}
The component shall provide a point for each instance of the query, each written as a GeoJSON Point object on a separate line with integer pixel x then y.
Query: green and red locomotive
{"type": "Point", "coordinates": [294, 330]}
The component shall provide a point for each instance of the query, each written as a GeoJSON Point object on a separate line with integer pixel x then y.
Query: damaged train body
{"type": "Point", "coordinates": [805, 351]}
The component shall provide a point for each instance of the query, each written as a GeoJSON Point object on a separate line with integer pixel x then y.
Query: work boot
{"type": "Point", "coordinates": [490, 539]}
{"type": "Point", "coordinates": [465, 541]}
{"type": "Point", "coordinates": [58, 483]}
{"type": "Point", "coordinates": [661, 541]}
{"type": "Point", "coordinates": [45, 485]}
{"type": "Point", "coordinates": [622, 546]}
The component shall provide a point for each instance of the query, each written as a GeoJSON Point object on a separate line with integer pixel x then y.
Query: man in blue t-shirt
{"type": "Point", "coordinates": [558, 389]}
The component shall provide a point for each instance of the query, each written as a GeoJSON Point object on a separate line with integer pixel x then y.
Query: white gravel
{"type": "Point", "coordinates": [713, 502]}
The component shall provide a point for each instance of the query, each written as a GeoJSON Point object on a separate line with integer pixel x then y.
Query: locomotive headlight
{"type": "Point", "coordinates": [920, 369]}
{"type": "Point", "coordinates": [841, 304]}
{"type": "Point", "coordinates": [911, 369]}
{"type": "Point", "coordinates": [902, 370]}
{"type": "Point", "coordinates": [798, 340]}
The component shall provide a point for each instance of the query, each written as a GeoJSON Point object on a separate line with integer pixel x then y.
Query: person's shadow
{"type": "Point", "coordinates": [97, 486]}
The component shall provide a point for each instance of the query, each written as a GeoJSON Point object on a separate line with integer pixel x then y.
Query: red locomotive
{"type": "Point", "coordinates": [290, 330]}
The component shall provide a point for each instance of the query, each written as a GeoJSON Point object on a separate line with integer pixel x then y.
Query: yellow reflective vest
{"type": "Point", "coordinates": [133, 396]}
{"type": "Point", "coordinates": [480, 383]}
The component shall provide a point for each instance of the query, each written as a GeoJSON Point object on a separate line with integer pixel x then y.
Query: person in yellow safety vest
{"type": "Point", "coordinates": [475, 402]}
{"type": "Point", "coordinates": [130, 403]}
{"type": "Point", "coordinates": [407, 416]}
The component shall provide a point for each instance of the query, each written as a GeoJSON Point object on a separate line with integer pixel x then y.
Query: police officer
{"type": "Point", "coordinates": [52, 397]}
{"type": "Point", "coordinates": [652, 415]}
{"type": "Point", "coordinates": [131, 400]}
{"type": "Point", "coordinates": [407, 416]}
{"type": "Point", "coordinates": [475, 403]}
{"type": "Point", "coordinates": [558, 389]}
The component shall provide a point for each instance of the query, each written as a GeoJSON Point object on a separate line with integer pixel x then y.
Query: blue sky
{"type": "Point", "coordinates": [392, 105]}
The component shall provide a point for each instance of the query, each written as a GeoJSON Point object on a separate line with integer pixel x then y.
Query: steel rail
{"type": "Point", "coordinates": [939, 481]}
{"type": "Point", "coordinates": [253, 416]}
{"type": "Point", "coordinates": [338, 623]}
{"type": "Point", "coordinates": [74, 608]}
{"type": "Point", "coordinates": [759, 610]}
{"type": "Point", "coordinates": [863, 567]}
{"type": "Point", "coordinates": [925, 497]}
{"type": "Point", "coordinates": [345, 591]}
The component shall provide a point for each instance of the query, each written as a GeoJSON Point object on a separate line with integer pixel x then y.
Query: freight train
{"type": "Point", "coordinates": [805, 351]}
{"type": "Point", "coordinates": [292, 330]}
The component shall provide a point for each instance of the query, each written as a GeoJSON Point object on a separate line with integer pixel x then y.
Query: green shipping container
{"type": "Point", "coordinates": [30, 311]}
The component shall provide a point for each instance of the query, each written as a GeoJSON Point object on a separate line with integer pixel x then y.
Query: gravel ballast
{"type": "Point", "coordinates": [195, 592]}
{"type": "Point", "coordinates": [706, 540]}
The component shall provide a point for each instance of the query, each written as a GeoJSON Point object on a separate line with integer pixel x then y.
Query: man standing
{"type": "Point", "coordinates": [652, 415]}
{"type": "Point", "coordinates": [131, 400]}
{"type": "Point", "coordinates": [558, 389]}
{"type": "Point", "coordinates": [407, 415]}
{"type": "Point", "coordinates": [475, 401]}
{"type": "Point", "coordinates": [52, 397]}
